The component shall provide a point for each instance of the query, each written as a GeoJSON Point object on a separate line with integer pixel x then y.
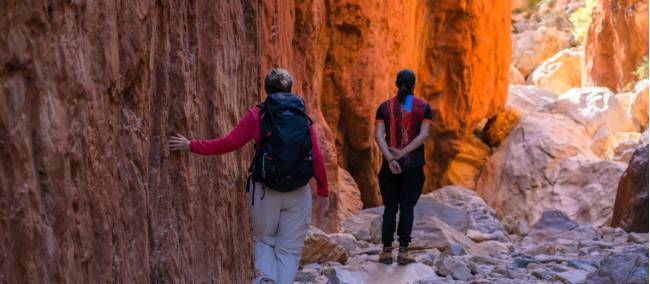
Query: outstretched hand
{"type": "Point", "coordinates": [179, 143]}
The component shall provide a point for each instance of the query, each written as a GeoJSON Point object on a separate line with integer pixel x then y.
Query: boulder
{"type": "Point", "coordinates": [496, 248]}
{"type": "Point", "coordinates": [345, 240]}
{"type": "Point", "coordinates": [527, 99]}
{"type": "Point", "coordinates": [622, 267]}
{"type": "Point", "coordinates": [532, 47]}
{"type": "Point", "coordinates": [320, 248]}
{"type": "Point", "coordinates": [631, 205]}
{"type": "Point", "coordinates": [618, 146]}
{"type": "Point", "coordinates": [559, 73]}
{"type": "Point", "coordinates": [598, 111]}
{"type": "Point", "coordinates": [554, 221]}
{"type": "Point", "coordinates": [430, 232]}
{"type": "Point", "coordinates": [617, 42]}
{"type": "Point", "coordinates": [454, 267]}
{"type": "Point", "coordinates": [482, 219]}
{"type": "Point", "coordinates": [516, 78]}
{"type": "Point", "coordinates": [359, 224]}
{"type": "Point", "coordinates": [546, 163]}
{"type": "Point", "coordinates": [498, 128]}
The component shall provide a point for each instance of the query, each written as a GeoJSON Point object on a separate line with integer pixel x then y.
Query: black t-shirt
{"type": "Point", "coordinates": [403, 126]}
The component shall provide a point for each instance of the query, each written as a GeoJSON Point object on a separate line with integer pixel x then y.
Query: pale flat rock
{"type": "Point", "coordinates": [374, 272]}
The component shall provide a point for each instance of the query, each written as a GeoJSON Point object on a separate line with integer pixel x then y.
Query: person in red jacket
{"type": "Point", "coordinates": [280, 220]}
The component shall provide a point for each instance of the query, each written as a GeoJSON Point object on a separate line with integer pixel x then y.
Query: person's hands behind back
{"type": "Point", "coordinates": [397, 153]}
{"type": "Point", "coordinates": [394, 167]}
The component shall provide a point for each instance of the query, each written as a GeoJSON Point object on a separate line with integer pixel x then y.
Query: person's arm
{"type": "Point", "coordinates": [419, 140]}
{"type": "Point", "coordinates": [319, 165]}
{"type": "Point", "coordinates": [238, 137]}
{"type": "Point", "coordinates": [380, 138]}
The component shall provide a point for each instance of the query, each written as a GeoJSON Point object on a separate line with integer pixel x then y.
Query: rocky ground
{"type": "Point", "coordinates": [458, 239]}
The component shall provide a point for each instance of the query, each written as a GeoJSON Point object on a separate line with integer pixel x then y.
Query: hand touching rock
{"type": "Point", "coordinates": [179, 143]}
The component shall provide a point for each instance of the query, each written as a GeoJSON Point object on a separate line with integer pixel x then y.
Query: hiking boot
{"type": "Point", "coordinates": [386, 256]}
{"type": "Point", "coordinates": [404, 257]}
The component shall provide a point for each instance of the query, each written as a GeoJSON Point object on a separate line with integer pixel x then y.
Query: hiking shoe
{"type": "Point", "coordinates": [404, 257]}
{"type": "Point", "coordinates": [386, 256]}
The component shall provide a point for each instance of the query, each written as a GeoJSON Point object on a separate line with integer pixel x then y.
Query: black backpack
{"type": "Point", "coordinates": [283, 158]}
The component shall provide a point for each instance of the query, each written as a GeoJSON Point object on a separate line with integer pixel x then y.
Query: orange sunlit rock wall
{"type": "Point", "coordinates": [463, 72]}
{"type": "Point", "coordinates": [345, 55]}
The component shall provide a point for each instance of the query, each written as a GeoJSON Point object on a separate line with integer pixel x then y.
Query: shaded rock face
{"type": "Point", "coordinates": [616, 43]}
{"type": "Point", "coordinates": [631, 206]}
{"type": "Point", "coordinates": [90, 92]}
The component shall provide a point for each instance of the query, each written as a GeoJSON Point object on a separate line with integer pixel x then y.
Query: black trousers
{"type": "Point", "coordinates": [400, 192]}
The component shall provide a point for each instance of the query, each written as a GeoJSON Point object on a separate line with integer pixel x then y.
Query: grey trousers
{"type": "Point", "coordinates": [280, 222]}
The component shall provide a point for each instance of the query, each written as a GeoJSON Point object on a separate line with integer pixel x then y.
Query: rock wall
{"type": "Point", "coordinates": [617, 42]}
{"type": "Point", "coordinates": [345, 55]}
{"type": "Point", "coordinates": [92, 91]}
{"type": "Point", "coordinates": [89, 93]}
{"type": "Point", "coordinates": [631, 206]}
{"type": "Point", "coordinates": [463, 72]}
{"type": "Point", "coordinates": [294, 36]}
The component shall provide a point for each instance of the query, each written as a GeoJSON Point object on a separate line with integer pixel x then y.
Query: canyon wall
{"type": "Point", "coordinates": [89, 93]}
{"type": "Point", "coordinates": [345, 56]}
{"type": "Point", "coordinates": [617, 44]}
{"type": "Point", "coordinates": [463, 73]}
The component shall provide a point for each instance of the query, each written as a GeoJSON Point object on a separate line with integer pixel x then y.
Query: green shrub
{"type": "Point", "coordinates": [581, 19]}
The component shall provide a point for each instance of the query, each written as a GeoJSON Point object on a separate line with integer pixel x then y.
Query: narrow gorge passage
{"type": "Point", "coordinates": [540, 115]}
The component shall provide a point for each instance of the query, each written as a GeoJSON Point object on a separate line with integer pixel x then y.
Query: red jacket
{"type": "Point", "coordinates": [249, 128]}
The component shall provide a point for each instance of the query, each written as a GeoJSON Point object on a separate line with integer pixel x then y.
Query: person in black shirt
{"type": "Point", "coordinates": [402, 126]}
